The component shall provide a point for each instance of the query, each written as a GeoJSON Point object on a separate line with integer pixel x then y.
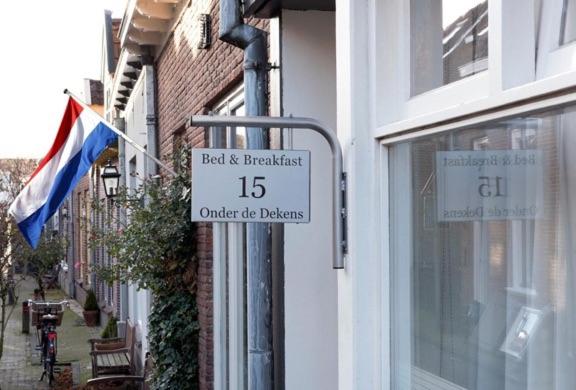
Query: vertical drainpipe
{"type": "Point", "coordinates": [151, 168]}
{"type": "Point", "coordinates": [253, 41]}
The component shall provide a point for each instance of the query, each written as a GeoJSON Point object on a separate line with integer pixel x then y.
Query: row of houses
{"type": "Point", "coordinates": [456, 120]}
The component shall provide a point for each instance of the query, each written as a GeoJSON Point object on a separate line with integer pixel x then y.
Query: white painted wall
{"type": "Point", "coordinates": [311, 313]}
{"type": "Point", "coordinates": [362, 304]}
{"type": "Point", "coordinates": [373, 40]}
{"type": "Point", "coordinates": [136, 126]}
{"type": "Point", "coordinates": [135, 116]}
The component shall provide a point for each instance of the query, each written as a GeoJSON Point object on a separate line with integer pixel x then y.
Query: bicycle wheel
{"type": "Point", "coordinates": [44, 347]}
{"type": "Point", "coordinates": [50, 361]}
{"type": "Point", "coordinates": [50, 371]}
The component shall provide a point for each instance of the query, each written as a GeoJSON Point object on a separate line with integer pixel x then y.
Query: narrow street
{"type": "Point", "coordinates": [20, 365]}
{"type": "Point", "coordinates": [290, 194]}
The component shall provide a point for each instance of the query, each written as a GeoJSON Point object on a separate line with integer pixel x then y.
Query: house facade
{"type": "Point", "coordinates": [168, 56]}
{"type": "Point", "coordinates": [456, 120]}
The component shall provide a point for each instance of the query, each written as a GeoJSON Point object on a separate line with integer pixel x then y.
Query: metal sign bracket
{"type": "Point", "coordinates": [344, 213]}
{"type": "Point", "coordinates": [339, 235]}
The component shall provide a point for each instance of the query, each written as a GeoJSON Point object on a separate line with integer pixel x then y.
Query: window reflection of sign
{"type": "Point", "coordinates": [489, 185]}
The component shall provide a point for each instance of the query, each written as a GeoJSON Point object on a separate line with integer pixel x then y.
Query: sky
{"type": "Point", "coordinates": [47, 46]}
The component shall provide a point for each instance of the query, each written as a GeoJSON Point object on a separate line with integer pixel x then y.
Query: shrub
{"type": "Point", "coordinates": [173, 340]}
{"type": "Point", "coordinates": [152, 240]}
{"type": "Point", "coordinates": [111, 330]}
{"type": "Point", "coordinates": [91, 303]}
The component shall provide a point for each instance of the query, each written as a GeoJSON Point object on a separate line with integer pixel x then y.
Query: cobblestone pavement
{"type": "Point", "coordinates": [20, 367]}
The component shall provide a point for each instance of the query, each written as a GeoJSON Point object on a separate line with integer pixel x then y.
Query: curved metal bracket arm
{"type": "Point", "coordinates": [338, 176]}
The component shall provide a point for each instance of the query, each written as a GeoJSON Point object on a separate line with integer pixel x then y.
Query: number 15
{"type": "Point", "coordinates": [490, 186]}
{"type": "Point", "coordinates": [258, 189]}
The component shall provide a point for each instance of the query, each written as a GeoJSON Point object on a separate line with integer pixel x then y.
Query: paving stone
{"type": "Point", "coordinates": [20, 367]}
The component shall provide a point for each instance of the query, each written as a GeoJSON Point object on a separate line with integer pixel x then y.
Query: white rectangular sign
{"type": "Point", "coordinates": [237, 185]}
{"type": "Point", "coordinates": [489, 185]}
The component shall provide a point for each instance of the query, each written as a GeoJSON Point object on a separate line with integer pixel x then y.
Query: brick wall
{"type": "Point", "coordinates": [190, 81]}
{"type": "Point", "coordinates": [80, 260]}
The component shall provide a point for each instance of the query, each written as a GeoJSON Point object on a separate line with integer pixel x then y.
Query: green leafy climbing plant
{"type": "Point", "coordinates": [152, 241]}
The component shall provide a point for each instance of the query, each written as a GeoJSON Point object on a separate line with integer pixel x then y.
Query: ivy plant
{"type": "Point", "coordinates": [173, 341]}
{"type": "Point", "coordinates": [151, 238]}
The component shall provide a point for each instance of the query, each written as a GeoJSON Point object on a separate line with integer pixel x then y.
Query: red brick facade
{"type": "Point", "coordinates": [80, 202]}
{"type": "Point", "coordinates": [191, 81]}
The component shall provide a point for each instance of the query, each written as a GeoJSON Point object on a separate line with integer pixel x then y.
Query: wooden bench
{"type": "Point", "coordinates": [113, 356]}
{"type": "Point", "coordinates": [124, 381]}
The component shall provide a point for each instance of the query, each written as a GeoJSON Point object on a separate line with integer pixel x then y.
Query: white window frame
{"type": "Point", "coordinates": [384, 176]}
{"type": "Point", "coordinates": [511, 76]}
{"type": "Point", "coordinates": [517, 246]}
{"type": "Point", "coordinates": [554, 58]}
{"type": "Point", "coordinates": [228, 281]}
{"type": "Point", "coordinates": [480, 255]}
{"type": "Point", "coordinates": [373, 112]}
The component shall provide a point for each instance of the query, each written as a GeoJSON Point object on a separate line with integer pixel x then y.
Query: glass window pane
{"type": "Point", "coordinates": [483, 263]}
{"type": "Point", "coordinates": [568, 27]}
{"type": "Point", "coordinates": [449, 41]}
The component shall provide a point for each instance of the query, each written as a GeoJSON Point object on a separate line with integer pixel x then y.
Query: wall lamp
{"type": "Point", "coordinates": [111, 179]}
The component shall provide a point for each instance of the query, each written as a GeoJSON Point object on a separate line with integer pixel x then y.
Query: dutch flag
{"type": "Point", "coordinates": [82, 137]}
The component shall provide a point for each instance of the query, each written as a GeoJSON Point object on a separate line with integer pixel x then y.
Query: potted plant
{"type": "Point", "coordinates": [110, 331]}
{"type": "Point", "coordinates": [91, 310]}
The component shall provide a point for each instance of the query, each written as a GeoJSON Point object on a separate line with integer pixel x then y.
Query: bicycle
{"type": "Point", "coordinates": [47, 316]}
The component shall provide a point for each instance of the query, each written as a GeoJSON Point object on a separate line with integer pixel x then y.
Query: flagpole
{"type": "Point", "coordinates": [122, 134]}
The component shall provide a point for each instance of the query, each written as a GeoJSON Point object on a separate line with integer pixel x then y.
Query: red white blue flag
{"type": "Point", "coordinates": [82, 137]}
